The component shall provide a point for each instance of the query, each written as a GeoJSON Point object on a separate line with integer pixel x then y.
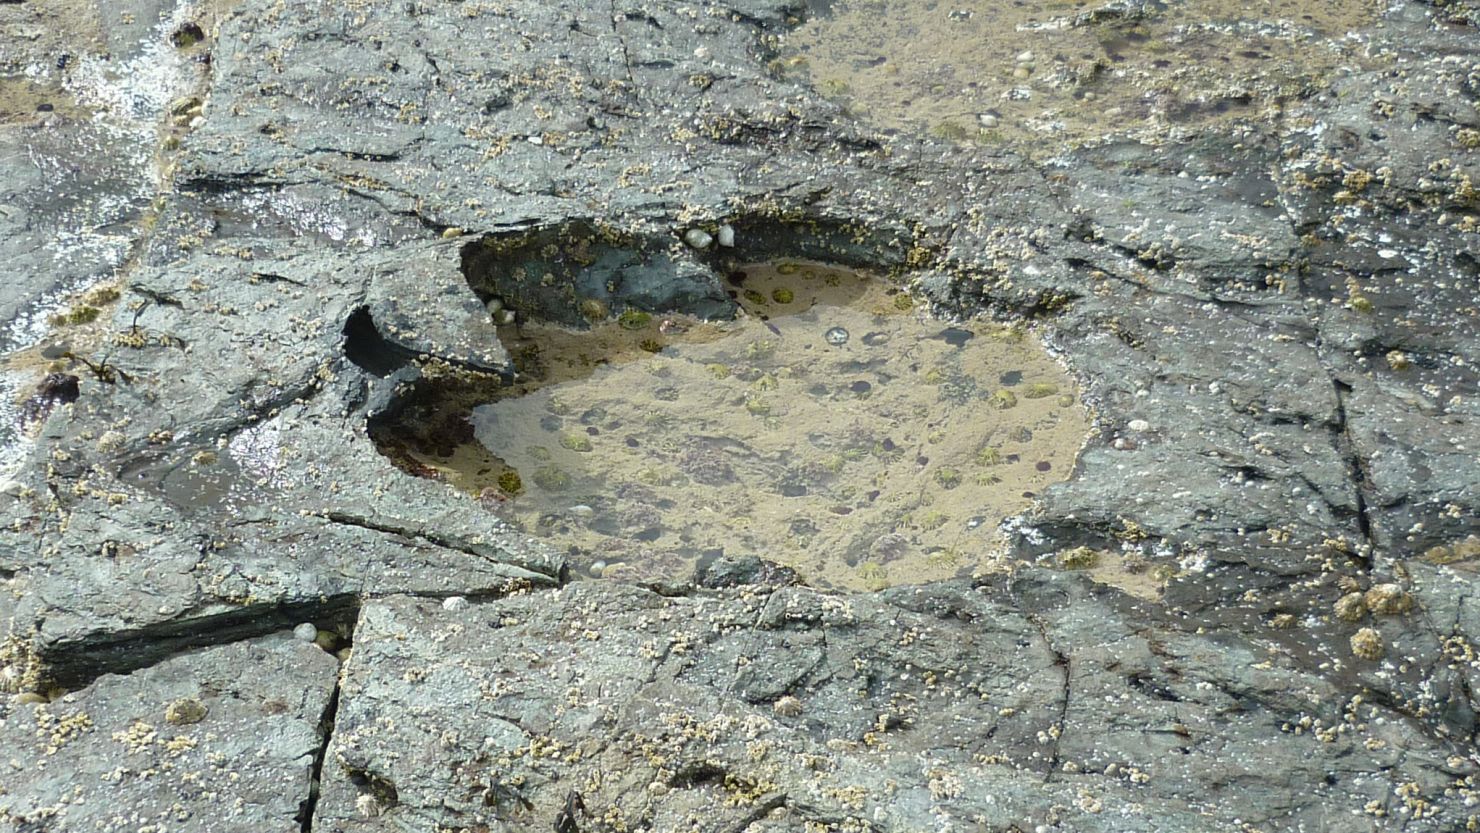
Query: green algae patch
{"type": "Point", "coordinates": [803, 432]}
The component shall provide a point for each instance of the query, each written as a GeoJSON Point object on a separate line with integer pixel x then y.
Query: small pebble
{"type": "Point", "coordinates": [453, 604]}
{"type": "Point", "coordinates": [505, 316]}
{"type": "Point", "coordinates": [597, 568]}
{"type": "Point", "coordinates": [698, 238]}
{"type": "Point", "coordinates": [494, 305]}
{"type": "Point", "coordinates": [726, 236]}
{"type": "Point", "coordinates": [306, 632]}
{"type": "Point", "coordinates": [837, 336]}
{"type": "Point", "coordinates": [1025, 57]}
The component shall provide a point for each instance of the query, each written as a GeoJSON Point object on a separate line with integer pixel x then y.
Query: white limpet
{"type": "Point", "coordinates": [367, 806]}
{"type": "Point", "coordinates": [454, 603]}
{"type": "Point", "coordinates": [1138, 425]}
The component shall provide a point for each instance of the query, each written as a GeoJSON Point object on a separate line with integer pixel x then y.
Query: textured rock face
{"type": "Point", "coordinates": [1034, 701]}
{"type": "Point", "coordinates": [192, 743]}
{"type": "Point", "coordinates": [1274, 526]}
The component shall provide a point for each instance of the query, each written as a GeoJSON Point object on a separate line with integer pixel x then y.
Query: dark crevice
{"type": "Point", "coordinates": [305, 817]}
{"type": "Point", "coordinates": [698, 774]}
{"type": "Point", "coordinates": [220, 184]}
{"type": "Point", "coordinates": [1357, 468]}
{"type": "Point", "coordinates": [269, 277]}
{"type": "Point", "coordinates": [621, 41]}
{"type": "Point", "coordinates": [1152, 688]}
{"type": "Point", "coordinates": [368, 349]}
{"type": "Point", "coordinates": [446, 542]}
{"type": "Point", "coordinates": [1062, 661]}
{"type": "Point", "coordinates": [424, 221]}
{"type": "Point", "coordinates": [760, 810]}
{"type": "Point", "coordinates": [78, 664]}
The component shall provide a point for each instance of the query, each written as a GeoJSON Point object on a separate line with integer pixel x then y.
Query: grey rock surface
{"type": "Point", "coordinates": [1039, 700]}
{"type": "Point", "coordinates": [304, 217]}
{"type": "Point", "coordinates": [192, 743]}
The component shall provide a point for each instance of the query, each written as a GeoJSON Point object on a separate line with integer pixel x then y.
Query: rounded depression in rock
{"type": "Point", "coordinates": [654, 441]}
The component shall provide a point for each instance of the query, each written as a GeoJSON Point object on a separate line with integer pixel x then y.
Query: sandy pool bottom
{"type": "Point", "coordinates": [831, 427]}
{"type": "Point", "coordinates": [1073, 71]}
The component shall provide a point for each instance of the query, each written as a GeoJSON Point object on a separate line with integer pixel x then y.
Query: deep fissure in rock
{"type": "Point", "coordinates": [326, 733]}
{"type": "Point", "coordinates": [1361, 483]}
{"type": "Point", "coordinates": [76, 666]}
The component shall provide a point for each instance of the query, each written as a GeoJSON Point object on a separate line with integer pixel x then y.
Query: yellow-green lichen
{"type": "Point", "coordinates": [510, 482]}
{"type": "Point", "coordinates": [1078, 558]}
{"type": "Point", "coordinates": [594, 310]}
{"type": "Point", "coordinates": [551, 479]}
{"type": "Point", "coordinates": [634, 319]}
{"type": "Point", "coordinates": [78, 314]}
{"type": "Point", "coordinates": [1040, 390]}
{"type": "Point", "coordinates": [575, 442]}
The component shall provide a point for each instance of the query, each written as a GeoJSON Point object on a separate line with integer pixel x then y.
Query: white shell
{"type": "Point", "coordinates": [698, 238]}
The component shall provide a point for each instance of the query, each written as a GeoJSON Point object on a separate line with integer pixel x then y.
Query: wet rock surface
{"type": "Point", "coordinates": [1250, 607]}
